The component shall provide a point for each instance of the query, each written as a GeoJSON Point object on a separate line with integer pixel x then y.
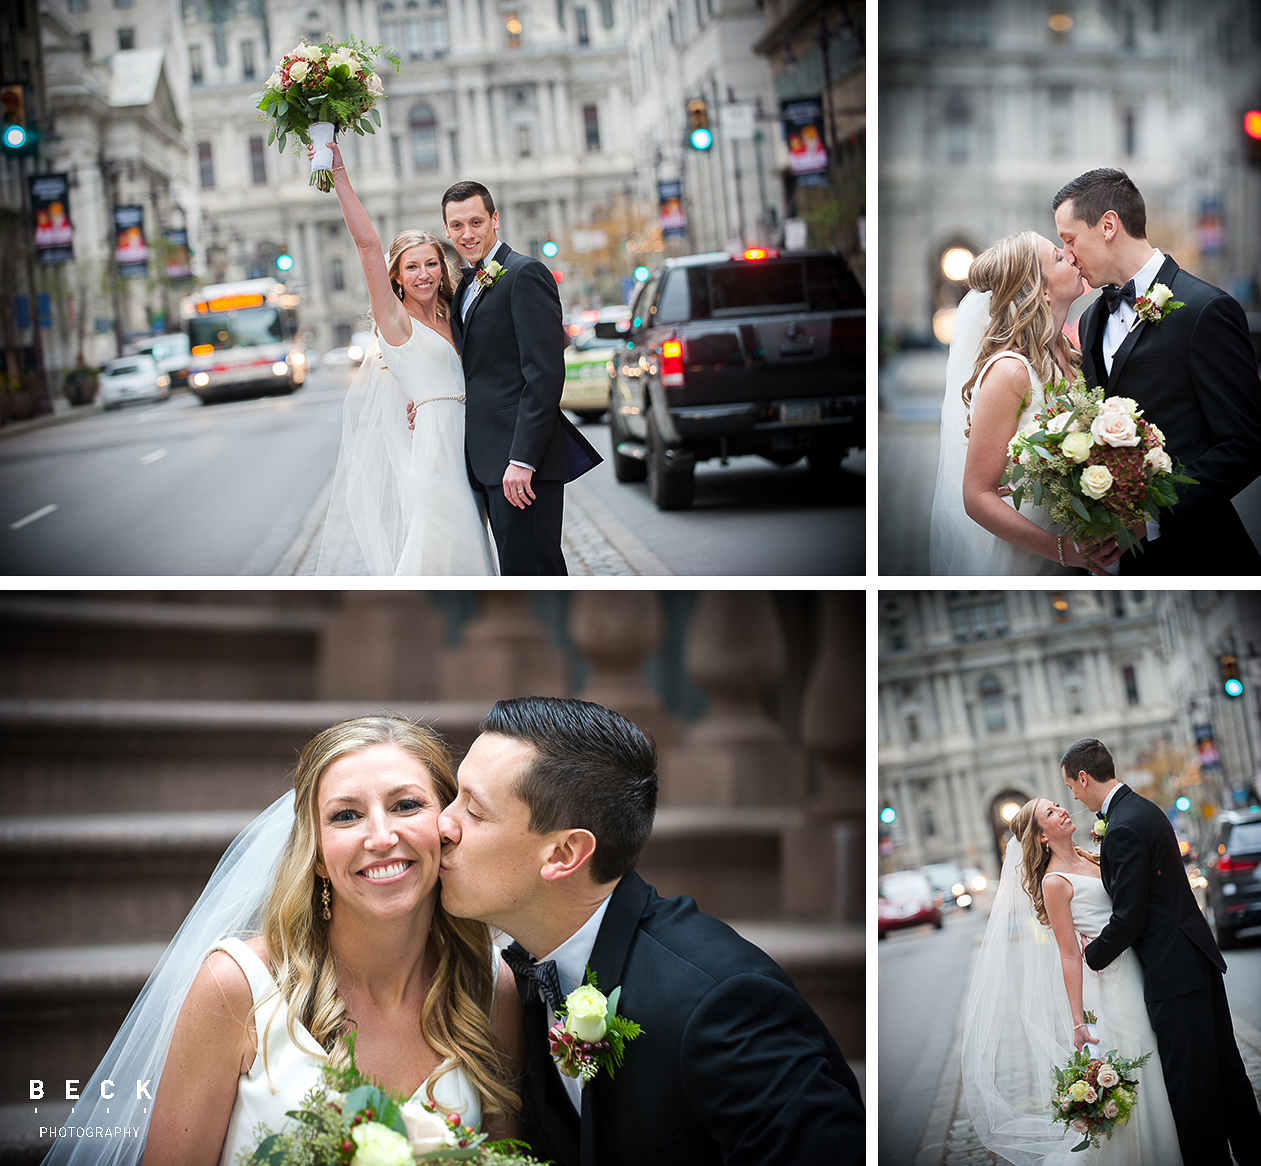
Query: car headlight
{"type": "Point", "coordinates": [163, 381]}
{"type": "Point", "coordinates": [354, 352]}
{"type": "Point", "coordinates": [280, 368]}
{"type": "Point", "coordinates": [964, 900]}
{"type": "Point", "coordinates": [201, 380]}
{"type": "Point", "coordinates": [979, 884]}
{"type": "Point", "coordinates": [958, 889]}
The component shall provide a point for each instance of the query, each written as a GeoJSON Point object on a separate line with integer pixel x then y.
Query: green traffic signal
{"type": "Point", "coordinates": [15, 137]}
{"type": "Point", "coordinates": [701, 139]}
{"type": "Point", "coordinates": [642, 273]}
{"type": "Point", "coordinates": [549, 249]}
{"type": "Point", "coordinates": [284, 262]}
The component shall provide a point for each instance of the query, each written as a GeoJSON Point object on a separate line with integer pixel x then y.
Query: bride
{"type": "Point", "coordinates": [1008, 344]}
{"type": "Point", "coordinates": [1028, 993]}
{"type": "Point", "coordinates": [402, 503]}
{"type": "Point", "coordinates": [321, 919]}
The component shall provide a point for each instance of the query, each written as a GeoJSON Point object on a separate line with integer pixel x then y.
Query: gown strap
{"type": "Point", "coordinates": [998, 356]}
{"type": "Point", "coordinates": [262, 985]}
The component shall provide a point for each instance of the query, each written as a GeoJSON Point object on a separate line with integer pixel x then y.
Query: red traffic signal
{"type": "Point", "coordinates": [1252, 124]}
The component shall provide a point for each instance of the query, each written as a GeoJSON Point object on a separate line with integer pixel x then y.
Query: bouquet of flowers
{"type": "Point", "coordinates": [1094, 1095]}
{"type": "Point", "coordinates": [352, 1121]}
{"type": "Point", "coordinates": [318, 91]}
{"type": "Point", "coordinates": [1095, 462]}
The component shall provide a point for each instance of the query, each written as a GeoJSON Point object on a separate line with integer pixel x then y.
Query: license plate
{"type": "Point", "coordinates": [812, 412]}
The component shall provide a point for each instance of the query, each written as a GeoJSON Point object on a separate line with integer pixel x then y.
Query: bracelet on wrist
{"type": "Point", "coordinates": [1059, 545]}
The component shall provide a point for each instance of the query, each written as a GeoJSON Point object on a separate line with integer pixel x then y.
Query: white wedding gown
{"type": "Point", "coordinates": [401, 502]}
{"type": "Point", "coordinates": [1115, 996]}
{"type": "Point", "coordinates": [283, 1071]}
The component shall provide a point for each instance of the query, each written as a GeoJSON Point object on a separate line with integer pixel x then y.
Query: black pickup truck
{"type": "Point", "coordinates": [759, 353]}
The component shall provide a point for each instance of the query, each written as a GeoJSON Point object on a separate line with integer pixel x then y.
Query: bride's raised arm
{"type": "Point", "coordinates": [1057, 897]}
{"type": "Point", "coordinates": [997, 403]}
{"type": "Point", "coordinates": [387, 310]}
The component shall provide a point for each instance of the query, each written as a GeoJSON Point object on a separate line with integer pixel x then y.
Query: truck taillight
{"type": "Point", "coordinates": [1228, 865]}
{"type": "Point", "coordinates": [672, 363]}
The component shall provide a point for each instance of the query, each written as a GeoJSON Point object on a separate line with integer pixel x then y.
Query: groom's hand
{"type": "Point", "coordinates": [517, 490]}
{"type": "Point", "coordinates": [411, 414]}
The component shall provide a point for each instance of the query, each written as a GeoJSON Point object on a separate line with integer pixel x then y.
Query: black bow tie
{"type": "Point", "coordinates": [1113, 295]}
{"type": "Point", "coordinates": [534, 979]}
{"type": "Point", "coordinates": [1101, 815]}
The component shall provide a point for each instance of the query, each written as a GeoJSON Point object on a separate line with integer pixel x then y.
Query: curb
{"type": "Point", "coordinates": [44, 420]}
{"type": "Point", "coordinates": [295, 555]}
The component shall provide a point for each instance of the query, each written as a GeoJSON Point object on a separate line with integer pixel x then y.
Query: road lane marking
{"type": "Point", "coordinates": [42, 512]}
{"type": "Point", "coordinates": [156, 456]}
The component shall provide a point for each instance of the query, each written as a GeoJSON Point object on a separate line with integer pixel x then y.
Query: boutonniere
{"type": "Point", "coordinates": [1156, 303]}
{"type": "Point", "coordinates": [1099, 829]}
{"type": "Point", "coordinates": [588, 1034]}
{"type": "Point", "coordinates": [487, 275]}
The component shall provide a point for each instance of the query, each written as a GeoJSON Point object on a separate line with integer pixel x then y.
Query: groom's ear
{"type": "Point", "coordinates": [570, 851]}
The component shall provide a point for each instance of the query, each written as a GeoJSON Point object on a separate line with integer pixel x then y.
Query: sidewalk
{"type": "Point", "coordinates": [594, 540]}
{"type": "Point", "coordinates": [950, 1140]}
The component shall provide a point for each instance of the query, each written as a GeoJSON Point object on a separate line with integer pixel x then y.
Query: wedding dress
{"type": "Point", "coordinates": [1016, 1029]}
{"type": "Point", "coordinates": [957, 544]}
{"type": "Point", "coordinates": [401, 502]}
{"type": "Point", "coordinates": [283, 1071]}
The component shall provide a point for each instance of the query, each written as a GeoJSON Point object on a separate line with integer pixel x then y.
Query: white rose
{"type": "Point", "coordinates": [1058, 423]}
{"type": "Point", "coordinates": [374, 85]}
{"type": "Point", "coordinates": [1110, 1110]}
{"type": "Point", "coordinates": [1032, 428]}
{"type": "Point", "coordinates": [1123, 405]}
{"type": "Point", "coordinates": [1114, 427]}
{"type": "Point", "coordinates": [341, 56]}
{"type": "Point", "coordinates": [335, 1098]}
{"type": "Point", "coordinates": [1027, 457]}
{"type": "Point", "coordinates": [1096, 481]}
{"type": "Point", "coordinates": [1160, 295]}
{"type": "Point", "coordinates": [588, 1013]}
{"type": "Point", "coordinates": [425, 1131]}
{"type": "Point", "coordinates": [1077, 446]}
{"type": "Point", "coordinates": [274, 81]}
{"type": "Point", "coordinates": [1154, 430]}
{"type": "Point", "coordinates": [1066, 1104]}
{"type": "Point", "coordinates": [1079, 1125]}
{"type": "Point", "coordinates": [1159, 461]}
{"type": "Point", "coordinates": [311, 52]}
{"type": "Point", "coordinates": [378, 1145]}
{"type": "Point", "coordinates": [1107, 1077]}
{"type": "Point", "coordinates": [298, 70]}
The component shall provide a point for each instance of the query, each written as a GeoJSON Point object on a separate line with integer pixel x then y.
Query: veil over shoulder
{"type": "Point", "coordinates": [231, 904]}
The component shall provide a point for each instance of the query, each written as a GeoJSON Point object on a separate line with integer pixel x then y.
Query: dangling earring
{"type": "Point", "coordinates": [327, 913]}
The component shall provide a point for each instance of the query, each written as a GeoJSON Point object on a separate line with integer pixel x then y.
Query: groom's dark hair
{"type": "Point", "coordinates": [1090, 755]}
{"type": "Point", "coordinates": [1099, 191]}
{"type": "Point", "coordinates": [593, 770]}
{"type": "Point", "coordinates": [462, 190]}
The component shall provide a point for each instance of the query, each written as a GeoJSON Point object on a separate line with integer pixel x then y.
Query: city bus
{"type": "Point", "coordinates": [243, 340]}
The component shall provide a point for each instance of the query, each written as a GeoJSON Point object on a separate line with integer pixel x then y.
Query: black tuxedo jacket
{"type": "Point", "coordinates": [1194, 374]}
{"type": "Point", "coordinates": [732, 1065]}
{"type": "Point", "coordinates": [513, 348]}
{"type": "Point", "coordinates": [1153, 908]}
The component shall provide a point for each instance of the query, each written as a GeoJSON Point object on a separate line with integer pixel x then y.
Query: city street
{"type": "Point", "coordinates": [923, 988]}
{"type": "Point", "coordinates": [181, 488]}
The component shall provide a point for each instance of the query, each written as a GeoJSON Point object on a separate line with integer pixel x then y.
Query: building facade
{"type": "Point", "coordinates": [989, 106]}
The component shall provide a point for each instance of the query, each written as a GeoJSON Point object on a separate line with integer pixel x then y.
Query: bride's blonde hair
{"type": "Point", "coordinates": [455, 1014]}
{"type": "Point", "coordinates": [1034, 856]}
{"type": "Point", "coordinates": [405, 241]}
{"type": "Point", "coordinates": [1021, 319]}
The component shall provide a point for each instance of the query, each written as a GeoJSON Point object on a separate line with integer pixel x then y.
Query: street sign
{"type": "Point", "coordinates": [737, 122]}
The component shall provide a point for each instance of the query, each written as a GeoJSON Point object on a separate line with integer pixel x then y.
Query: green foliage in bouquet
{"type": "Point", "coordinates": [1093, 1095]}
{"type": "Point", "coordinates": [353, 1118]}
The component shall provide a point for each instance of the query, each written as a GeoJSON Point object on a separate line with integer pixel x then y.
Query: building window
{"type": "Point", "coordinates": [195, 64]}
{"type": "Point", "coordinates": [206, 162]}
{"type": "Point", "coordinates": [247, 60]}
{"type": "Point", "coordinates": [992, 703]}
{"type": "Point", "coordinates": [389, 26]}
{"type": "Point", "coordinates": [927, 822]}
{"type": "Point", "coordinates": [79, 5]}
{"type": "Point", "coordinates": [396, 154]}
{"type": "Point", "coordinates": [912, 727]}
{"type": "Point", "coordinates": [1131, 684]}
{"type": "Point", "coordinates": [453, 140]}
{"type": "Point", "coordinates": [591, 122]}
{"type": "Point", "coordinates": [523, 141]}
{"type": "Point", "coordinates": [439, 40]}
{"type": "Point", "coordinates": [85, 43]}
{"type": "Point", "coordinates": [257, 161]}
{"type": "Point", "coordinates": [413, 38]}
{"type": "Point", "coordinates": [424, 128]}
{"type": "Point", "coordinates": [337, 277]}
{"type": "Point", "coordinates": [975, 616]}
{"type": "Point", "coordinates": [560, 13]}
{"type": "Point", "coordinates": [958, 117]}
{"type": "Point", "coordinates": [700, 15]}
{"type": "Point", "coordinates": [126, 38]}
{"type": "Point", "coordinates": [606, 13]}
{"type": "Point", "coordinates": [1074, 701]}
{"type": "Point", "coordinates": [580, 19]}
{"type": "Point", "coordinates": [123, 3]}
{"type": "Point", "coordinates": [1131, 139]}
{"type": "Point", "coordinates": [512, 27]}
{"type": "Point", "coordinates": [952, 22]}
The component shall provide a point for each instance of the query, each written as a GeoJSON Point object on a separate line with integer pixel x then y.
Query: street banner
{"type": "Point", "coordinates": [50, 200]}
{"type": "Point", "coordinates": [803, 131]}
{"type": "Point", "coordinates": [673, 216]}
{"type": "Point", "coordinates": [130, 252]}
{"type": "Point", "coordinates": [178, 264]}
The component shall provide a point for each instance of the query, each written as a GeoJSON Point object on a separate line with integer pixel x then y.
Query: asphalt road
{"type": "Point", "coordinates": [174, 488]}
{"type": "Point", "coordinates": [923, 975]}
{"type": "Point", "coordinates": [750, 517]}
{"type": "Point", "coordinates": [1243, 977]}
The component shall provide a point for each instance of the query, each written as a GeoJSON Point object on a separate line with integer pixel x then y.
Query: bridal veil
{"type": "Point", "coordinates": [231, 904]}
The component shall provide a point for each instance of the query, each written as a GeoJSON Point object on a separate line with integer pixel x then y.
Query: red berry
{"type": "Point", "coordinates": [453, 1119]}
{"type": "Point", "coordinates": [348, 1146]}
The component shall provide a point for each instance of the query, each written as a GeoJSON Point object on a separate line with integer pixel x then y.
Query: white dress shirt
{"type": "Point", "coordinates": [1122, 320]}
{"type": "Point", "coordinates": [571, 968]}
{"type": "Point", "coordinates": [1113, 791]}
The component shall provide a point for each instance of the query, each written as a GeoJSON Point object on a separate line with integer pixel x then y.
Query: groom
{"type": "Point", "coordinates": [1155, 913]}
{"type": "Point", "coordinates": [1193, 372]}
{"type": "Point", "coordinates": [520, 448]}
{"type": "Point", "coordinates": [556, 800]}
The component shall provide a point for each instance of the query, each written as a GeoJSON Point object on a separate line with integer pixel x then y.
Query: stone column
{"type": "Point", "coordinates": [617, 631]}
{"type": "Point", "coordinates": [505, 653]}
{"type": "Point", "coordinates": [736, 755]}
{"type": "Point", "coordinates": [823, 860]}
{"type": "Point", "coordinates": [380, 645]}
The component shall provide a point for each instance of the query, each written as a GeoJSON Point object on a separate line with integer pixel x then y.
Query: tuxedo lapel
{"type": "Point", "coordinates": [457, 321]}
{"type": "Point", "coordinates": [1165, 275]}
{"type": "Point", "coordinates": [1091, 328]}
{"type": "Point", "coordinates": [500, 257]}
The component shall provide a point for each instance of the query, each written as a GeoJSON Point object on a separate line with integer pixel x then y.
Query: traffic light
{"type": "Point", "coordinates": [699, 135]}
{"type": "Point", "coordinates": [1252, 136]}
{"type": "Point", "coordinates": [888, 815]}
{"type": "Point", "coordinates": [1231, 682]}
{"type": "Point", "coordinates": [284, 262]}
{"type": "Point", "coordinates": [16, 136]}
{"type": "Point", "coordinates": [549, 249]}
{"type": "Point", "coordinates": [642, 273]}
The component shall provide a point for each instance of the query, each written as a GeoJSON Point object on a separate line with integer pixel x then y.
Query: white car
{"type": "Point", "coordinates": [133, 378]}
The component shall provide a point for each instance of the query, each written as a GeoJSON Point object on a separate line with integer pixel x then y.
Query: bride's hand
{"type": "Point", "coordinates": [1093, 557]}
{"type": "Point", "coordinates": [337, 154]}
{"type": "Point", "coordinates": [1082, 1037]}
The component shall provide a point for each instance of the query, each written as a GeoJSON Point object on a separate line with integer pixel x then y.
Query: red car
{"type": "Point", "coordinates": [907, 899]}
